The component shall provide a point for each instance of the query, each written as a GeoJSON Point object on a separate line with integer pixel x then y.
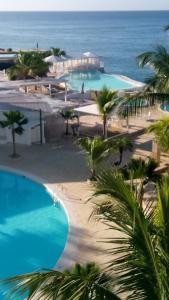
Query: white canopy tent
{"type": "Point", "coordinates": [89, 55]}
{"type": "Point", "coordinates": [88, 109]}
{"type": "Point", "coordinates": [53, 59]}
{"type": "Point", "coordinates": [92, 109]}
{"type": "Point", "coordinates": [87, 60]}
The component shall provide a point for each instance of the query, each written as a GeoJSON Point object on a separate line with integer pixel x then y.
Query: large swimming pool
{"type": "Point", "coordinates": [33, 231]}
{"type": "Point", "coordinates": [95, 80]}
{"type": "Point", "coordinates": [165, 107]}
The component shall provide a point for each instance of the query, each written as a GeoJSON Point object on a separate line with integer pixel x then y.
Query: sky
{"type": "Point", "coordinates": [83, 5]}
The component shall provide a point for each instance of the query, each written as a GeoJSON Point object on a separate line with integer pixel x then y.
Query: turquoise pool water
{"type": "Point", "coordinates": [33, 232]}
{"type": "Point", "coordinates": [7, 56]}
{"type": "Point", "coordinates": [165, 107]}
{"type": "Point", "coordinates": [95, 80]}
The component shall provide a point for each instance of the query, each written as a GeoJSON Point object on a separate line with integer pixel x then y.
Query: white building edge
{"type": "Point", "coordinates": [33, 130]}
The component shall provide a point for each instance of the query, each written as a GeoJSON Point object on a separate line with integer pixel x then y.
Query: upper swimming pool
{"type": "Point", "coordinates": [8, 56]}
{"type": "Point", "coordinates": [33, 231]}
{"type": "Point", "coordinates": [95, 80]}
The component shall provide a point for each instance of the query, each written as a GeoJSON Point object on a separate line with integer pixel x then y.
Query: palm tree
{"type": "Point", "coordinates": [21, 68]}
{"type": "Point", "coordinates": [28, 65]}
{"type": "Point", "coordinates": [140, 168]}
{"type": "Point", "coordinates": [158, 60]}
{"type": "Point", "coordinates": [67, 115]}
{"type": "Point", "coordinates": [37, 66]}
{"type": "Point", "coordinates": [139, 257]}
{"type": "Point", "coordinates": [97, 150]}
{"type": "Point", "coordinates": [81, 283]}
{"type": "Point", "coordinates": [138, 251]}
{"type": "Point", "coordinates": [58, 52]}
{"type": "Point", "coordinates": [166, 28]}
{"type": "Point", "coordinates": [14, 121]}
{"type": "Point", "coordinates": [106, 101]}
{"type": "Point", "coordinates": [160, 129]}
{"type": "Point", "coordinates": [122, 144]}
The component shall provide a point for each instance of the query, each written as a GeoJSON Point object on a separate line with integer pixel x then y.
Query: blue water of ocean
{"type": "Point", "coordinates": [116, 36]}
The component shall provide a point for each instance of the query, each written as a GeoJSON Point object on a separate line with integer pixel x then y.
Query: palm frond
{"type": "Point", "coordinates": [166, 28]}
{"type": "Point", "coordinates": [158, 61]}
{"type": "Point", "coordinates": [160, 129]}
{"type": "Point", "coordinates": [162, 212]}
{"type": "Point", "coordinates": [97, 150]}
{"type": "Point", "coordinates": [134, 259]}
{"type": "Point", "coordinates": [81, 283]}
{"type": "Point", "coordinates": [106, 100]}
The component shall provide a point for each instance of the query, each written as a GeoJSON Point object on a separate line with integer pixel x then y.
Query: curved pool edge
{"type": "Point", "coordinates": [135, 84]}
{"type": "Point", "coordinates": [163, 111]}
{"type": "Point", "coordinates": [67, 258]}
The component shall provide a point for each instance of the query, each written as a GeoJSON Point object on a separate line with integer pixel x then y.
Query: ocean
{"type": "Point", "coordinates": [118, 37]}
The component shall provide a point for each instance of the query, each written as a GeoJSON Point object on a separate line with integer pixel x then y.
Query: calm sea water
{"type": "Point", "coordinates": [116, 36]}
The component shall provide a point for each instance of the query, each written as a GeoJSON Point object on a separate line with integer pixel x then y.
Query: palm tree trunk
{"type": "Point", "coordinates": [93, 171]}
{"type": "Point", "coordinates": [67, 127]}
{"type": "Point", "coordinates": [93, 174]}
{"type": "Point", "coordinates": [104, 126]}
{"type": "Point", "coordinates": [156, 152]}
{"type": "Point", "coordinates": [13, 142]}
{"type": "Point", "coordinates": [127, 122]}
{"type": "Point", "coordinates": [121, 155]}
{"type": "Point", "coordinates": [141, 193]}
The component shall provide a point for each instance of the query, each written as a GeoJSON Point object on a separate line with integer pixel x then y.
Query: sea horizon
{"type": "Point", "coordinates": [88, 11]}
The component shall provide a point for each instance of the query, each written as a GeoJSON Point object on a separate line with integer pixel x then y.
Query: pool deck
{"type": "Point", "coordinates": [61, 166]}
{"type": "Point", "coordinates": [63, 170]}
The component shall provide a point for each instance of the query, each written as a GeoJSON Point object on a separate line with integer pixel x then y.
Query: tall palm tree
{"type": "Point", "coordinates": [122, 144]}
{"type": "Point", "coordinates": [28, 65]}
{"type": "Point", "coordinates": [138, 251]}
{"type": "Point", "coordinates": [37, 66]}
{"type": "Point", "coordinates": [106, 101]}
{"type": "Point", "coordinates": [97, 150]}
{"type": "Point", "coordinates": [20, 70]}
{"type": "Point", "coordinates": [158, 60]}
{"type": "Point", "coordinates": [67, 115]}
{"type": "Point", "coordinates": [160, 129]}
{"type": "Point", "coordinates": [14, 121]}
